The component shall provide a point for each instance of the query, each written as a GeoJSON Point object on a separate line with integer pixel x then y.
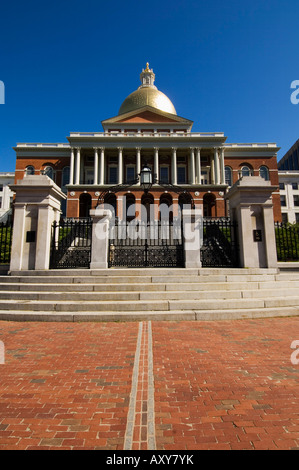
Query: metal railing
{"type": "Point", "coordinates": [5, 241]}
{"type": "Point", "coordinates": [287, 241]}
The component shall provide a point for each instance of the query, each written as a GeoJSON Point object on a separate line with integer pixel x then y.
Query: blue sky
{"type": "Point", "coordinates": [226, 65]}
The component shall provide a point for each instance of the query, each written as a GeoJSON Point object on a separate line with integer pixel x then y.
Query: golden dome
{"type": "Point", "coordinates": [147, 95]}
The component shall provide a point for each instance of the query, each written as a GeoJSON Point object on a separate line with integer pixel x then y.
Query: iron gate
{"type": "Point", "coordinates": [146, 244]}
{"type": "Point", "coordinates": [220, 243]}
{"type": "Point", "coordinates": [71, 244]}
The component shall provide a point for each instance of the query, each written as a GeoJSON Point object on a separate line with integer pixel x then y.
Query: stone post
{"type": "Point", "coordinates": [100, 238]}
{"type": "Point", "coordinates": [37, 205]}
{"type": "Point", "coordinates": [250, 204]}
{"type": "Point", "coordinates": [193, 236]}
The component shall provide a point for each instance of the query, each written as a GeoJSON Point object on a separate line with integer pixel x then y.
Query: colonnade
{"type": "Point", "coordinates": [195, 167]}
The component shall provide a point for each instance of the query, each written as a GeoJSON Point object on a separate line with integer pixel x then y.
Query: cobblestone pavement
{"type": "Point", "coordinates": [150, 385]}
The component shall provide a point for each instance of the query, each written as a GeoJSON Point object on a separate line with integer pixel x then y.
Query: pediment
{"type": "Point", "coordinates": [147, 114]}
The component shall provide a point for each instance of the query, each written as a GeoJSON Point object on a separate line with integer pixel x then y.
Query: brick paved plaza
{"type": "Point", "coordinates": [149, 385]}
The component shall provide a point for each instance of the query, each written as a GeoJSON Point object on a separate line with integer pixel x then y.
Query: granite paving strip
{"type": "Point", "coordinates": [140, 431]}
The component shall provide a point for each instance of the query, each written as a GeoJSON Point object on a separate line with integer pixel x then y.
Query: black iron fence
{"type": "Point", "coordinates": [146, 244]}
{"type": "Point", "coordinates": [71, 244]}
{"type": "Point", "coordinates": [5, 241]}
{"type": "Point", "coordinates": [287, 241]}
{"type": "Point", "coordinates": [220, 246]}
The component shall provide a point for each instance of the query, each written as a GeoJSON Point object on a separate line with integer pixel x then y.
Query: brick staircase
{"type": "Point", "coordinates": [156, 294]}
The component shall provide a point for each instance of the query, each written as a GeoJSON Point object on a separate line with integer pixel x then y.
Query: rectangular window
{"type": "Point", "coordinates": [283, 201]}
{"type": "Point", "coordinates": [164, 176]}
{"type": "Point", "coordinates": [181, 175]}
{"type": "Point", "coordinates": [297, 217]}
{"type": "Point", "coordinates": [284, 218]}
{"type": "Point", "coordinates": [296, 201]}
{"type": "Point", "coordinates": [112, 174]}
{"type": "Point", "coordinates": [130, 176]}
{"type": "Point", "coordinates": [281, 186]}
{"type": "Point", "coordinates": [295, 185]}
{"type": "Point", "coordinates": [204, 177]}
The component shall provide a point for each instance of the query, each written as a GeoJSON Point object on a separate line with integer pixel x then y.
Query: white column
{"type": "Point", "coordinates": [192, 166]}
{"type": "Point", "coordinates": [156, 163]}
{"type": "Point", "coordinates": [100, 238]}
{"type": "Point", "coordinates": [216, 166]}
{"type": "Point", "coordinates": [120, 165]}
{"type": "Point", "coordinates": [174, 166]}
{"type": "Point", "coordinates": [96, 166]}
{"type": "Point", "coordinates": [222, 166]}
{"type": "Point", "coordinates": [102, 166]}
{"type": "Point", "coordinates": [78, 166]}
{"type": "Point", "coordinates": [138, 163]}
{"type": "Point", "coordinates": [72, 167]}
{"type": "Point", "coordinates": [198, 166]}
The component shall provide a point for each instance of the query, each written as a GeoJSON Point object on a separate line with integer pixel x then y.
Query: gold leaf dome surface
{"type": "Point", "coordinates": [147, 95]}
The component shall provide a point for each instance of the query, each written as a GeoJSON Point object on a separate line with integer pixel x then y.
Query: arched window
{"type": "Point", "coordinates": [228, 176]}
{"type": "Point", "coordinates": [29, 170]}
{"type": "Point", "coordinates": [48, 171]}
{"type": "Point", "coordinates": [245, 171]}
{"type": "Point", "coordinates": [264, 173]}
{"type": "Point", "coordinates": [165, 213]}
{"type": "Point", "coordinates": [209, 205]}
{"type": "Point", "coordinates": [110, 203]}
{"type": "Point", "coordinates": [185, 200]}
{"type": "Point", "coordinates": [147, 201]}
{"type": "Point", "coordinates": [130, 206]}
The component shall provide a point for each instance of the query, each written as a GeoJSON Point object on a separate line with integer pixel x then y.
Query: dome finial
{"type": "Point", "coordinates": [147, 77]}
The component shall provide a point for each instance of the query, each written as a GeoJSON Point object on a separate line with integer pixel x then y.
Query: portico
{"type": "Point", "coordinates": [176, 165]}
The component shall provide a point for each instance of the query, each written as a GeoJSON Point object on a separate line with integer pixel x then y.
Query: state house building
{"type": "Point", "coordinates": [148, 131]}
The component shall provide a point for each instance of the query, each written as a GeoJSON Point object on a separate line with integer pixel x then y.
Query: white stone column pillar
{"type": "Point", "coordinates": [96, 166]}
{"type": "Point", "coordinates": [120, 165]}
{"type": "Point", "coordinates": [251, 206]}
{"type": "Point", "coordinates": [198, 166]}
{"type": "Point", "coordinates": [18, 240]}
{"type": "Point", "coordinates": [192, 167]}
{"type": "Point", "coordinates": [100, 238]}
{"type": "Point", "coordinates": [174, 167]}
{"type": "Point", "coordinates": [138, 163]}
{"type": "Point", "coordinates": [46, 217]}
{"type": "Point", "coordinates": [156, 163]}
{"type": "Point", "coordinates": [193, 236]}
{"type": "Point", "coordinates": [216, 166]}
{"type": "Point", "coordinates": [78, 157]}
{"type": "Point", "coordinates": [37, 205]}
{"type": "Point", "coordinates": [71, 181]}
{"type": "Point", "coordinates": [222, 165]}
{"type": "Point", "coordinates": [102, 166]}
